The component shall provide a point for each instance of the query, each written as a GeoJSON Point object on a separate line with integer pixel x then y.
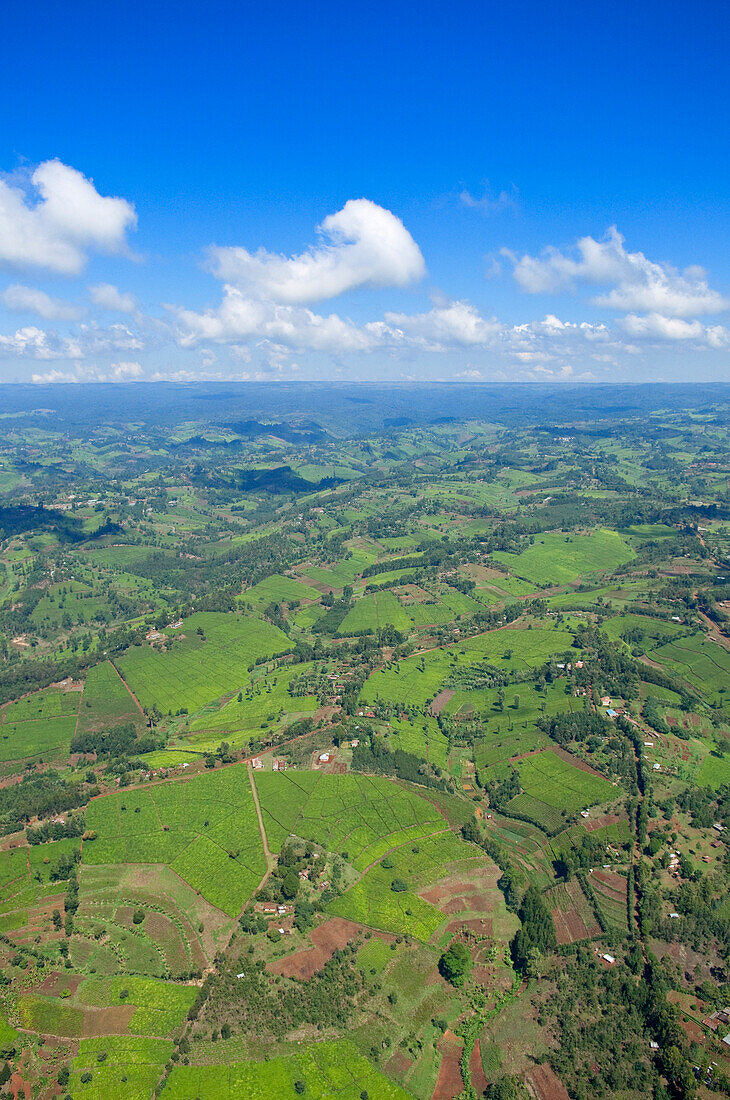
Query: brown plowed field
{"type": "Point", "coordinates": [546, 1085]}
{"type": "Point", "coordinates": [329, 937]}
{"type": "Point", "coordinates": [450, 1082]}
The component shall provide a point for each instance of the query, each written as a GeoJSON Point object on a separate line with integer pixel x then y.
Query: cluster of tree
{"type": "Point", "coordinates": [245, 997]}
{"type": "Point", "coordinates": [537, 934]}
{"type": "Point", "coordinates": [116, 741]}
{"type": "Point", "coordinates": [72, 826]}
{"type": "Point", "coordinates": [371, 755]}
{"type": "Point", "coordinates": [42, 794]}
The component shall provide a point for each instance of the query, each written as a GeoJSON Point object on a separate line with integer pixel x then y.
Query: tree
{"type": "Point", "coordinates": [455, 963]}
{"type": "Point", "coordinates": [290, 884]}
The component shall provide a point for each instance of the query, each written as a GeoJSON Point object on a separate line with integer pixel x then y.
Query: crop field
{"type": "Point", "coordinates": [642, 629]}
{"type": "Point", "coordinates": [106, 700]}
{"type": "Point", "coordinates": [333, 1070]}
{"type": "Point", "coordinates": [42, 723]}
{"type": "Point", "coordinates": [373, 901]}
{"type": "Point", "coordinates": [571, 911]}
{"type": "Point", "coordinates": [343, 572]}
{"type": "Point", "coordinates": [421, 736]}
{"type": "Point", "coordinates": [561, 784]}
{"type": "Point", "coordinates": [200, 668]}
{"type": "Point", "coordinates": [205, 828]}
{"type": "Point", "coordinates": [278, 589]}
{"type": "Point", "coordinates": [356, 814]}
{"type": "Point", "coordinates": [122, 1066]}
{"type": "Point", "coordinates": [560, 559]}
{"type": "Point", "coordinates": [374, 612]}
{"type": "Point", "coordinates": [159, 1007]}
{"type": "Point", "coordinates": [714, 771]}
{"type": "Point", "coordinates": [610, 889]}
{"type": "Point", "coordinates": [265, 701]}
{"type": "Point", "coordinates": [699, 661]}
{"type": "Point", "coordinates": [414, 681]}
{"type": "Point", "coordinates": [68, 602]}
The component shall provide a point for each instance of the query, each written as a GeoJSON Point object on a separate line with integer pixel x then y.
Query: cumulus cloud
{"type": "Point", "coordinates": [54, 219]}
{"type": "Point", "coordinates": [116, 372]}
{"type": "Point", "coordinates": [633, 282]}
{"type": "Point", "coordinates": [655, 326]}
{"type": "Point", "coordinates": [363, 245]}
{"type": "Point", "coordinates": [242, 318]}
{"type": "Point", "coordinates": [28, 299]}
{"type": "Point", "coordinates": [107, 296]}
{"type": "Point", "coordinates": [448, 324]}
{"type": "Point", "coordinates": [33, 343]}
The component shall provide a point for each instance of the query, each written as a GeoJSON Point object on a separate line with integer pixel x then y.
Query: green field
{"type": "Point", "coordinates": [353, 814]}
{"type": "Point", "coordinates": [200, 667]}
{"type": "Point", "coordinates": [415, 680]}
{"type": "Point", "coordinates": [39, 724]}
{"type": "Point", "coordinates": [553, 788]}
{"type": "Point", "coordinates": [278, 589]}
{"type": "Point", "coordinates": [106, 700]}
{"type": "Point", "coordinates": [329, 1070]}
{"type": "Point", "coordinates": [205, 828]}
{"type": "Point", "coordinates": [265, 701]}
{"type": "Point", "coordinates": [701, 662]}
{"type": "Point", "coordinates": [560, 559]}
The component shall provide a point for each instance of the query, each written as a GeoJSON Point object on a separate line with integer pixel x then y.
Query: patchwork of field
{"type": "Point", "coordinates": [166, 941]}
{"type": "Point", "coordinates": [278, 589]}
{"type": "Point", "coordinates": [420, 736]}
{"type": "Point", "coordinates": [701, 662]}
{"type": "Point", "coordinates": [571, 912]}
{"type": "Point", "coordinates": [200, 667]}
{"type": "Point", "coordinates": [560, 559]}
{"type": "Point", "coordinates": [106, 700]}
{"type": "Point", "coordinates": [38, 724]}
{"type": "Point", "coordinates": [414, 681]}
{"type": "Point", "coordinates": [107, 1006]}
{"type": "Point", "coordinates": [333, 1070]}
{"type": "Point", "coordinates": [204, 828]}
{"type": "Point", "coordinates": [264, 701]}
{"type": "Point", "coordinates": [359, 816]}
{"type": "Point", "coordinates": [555, 789]}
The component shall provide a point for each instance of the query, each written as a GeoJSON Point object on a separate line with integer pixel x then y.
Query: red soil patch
{"type": "Point", "coordinates": [55, 983]}
{"type": "Point", "coordinates": [398, 1065]}
{"type": "Point", "coordinates": [575, 761]}
{"type": "Point", "coordinates": [615, 883]}
{"type": "Point", "coordinates": [107, 1021]}
{"type": "Point", "coordinates": [440, 701]}
{"type": "Point", "coordinates": [479, 926]}
{"type": "Point", "coordinates": [476, 1069]}
{"type": "Point", "coordinates": [546, 1085]}
{"type": "Point", "coordinates": [450, 1082]}
{"type": "Point", "coordinates": [477, 902]}
{"type": "Point", "coordinates": [599, 822]}
{"type": "Point", "coordinates": [695, 720]}
{"type": "Point", "coordinates": [329, 937]}
{"type": "Point", "coordinates": [671, 720]}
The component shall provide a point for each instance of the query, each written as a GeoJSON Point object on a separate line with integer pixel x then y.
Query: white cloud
{"type": "Point", "coordinates": [489, 203]}
{"type": "Point", "coordinates": [69, 220]}
{"type": "Point", "coordinates": [241, 318]}
{"type": "Point", "coordinates": [655, 326]}
{"type": "Point", "coordinates": [110, 297]}
{"type": "Point", "coordinates": [28, 299]}
{"type": "Point", "coordinates": [636, 283]}
{"type": "Point", "coordinates": [116, 372]}
{"type": "Point", "coordinates": [33, 343]}
{"type": "Point", "coordinates": [448, 324]}
{"type": "Point", "coordinates": [363, 245]}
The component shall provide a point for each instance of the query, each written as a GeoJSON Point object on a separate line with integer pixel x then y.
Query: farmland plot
{"type": "Point", "coordinates": [204, 828]}
{"type": "Point", "coordinates": [200, 667]}
{"type": "Point", "coordinates": [560, 559]}
{"type": "Point", "coordinates": [41, 723]}
{"type": "Point", "coordinates": [106, 700]}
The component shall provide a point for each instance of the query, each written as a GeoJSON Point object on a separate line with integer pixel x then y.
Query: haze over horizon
{"type": "Point", "coordinates": [395, 194]}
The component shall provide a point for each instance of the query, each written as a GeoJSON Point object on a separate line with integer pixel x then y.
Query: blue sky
{"type": "Point", "coordinates": [485, 191]}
